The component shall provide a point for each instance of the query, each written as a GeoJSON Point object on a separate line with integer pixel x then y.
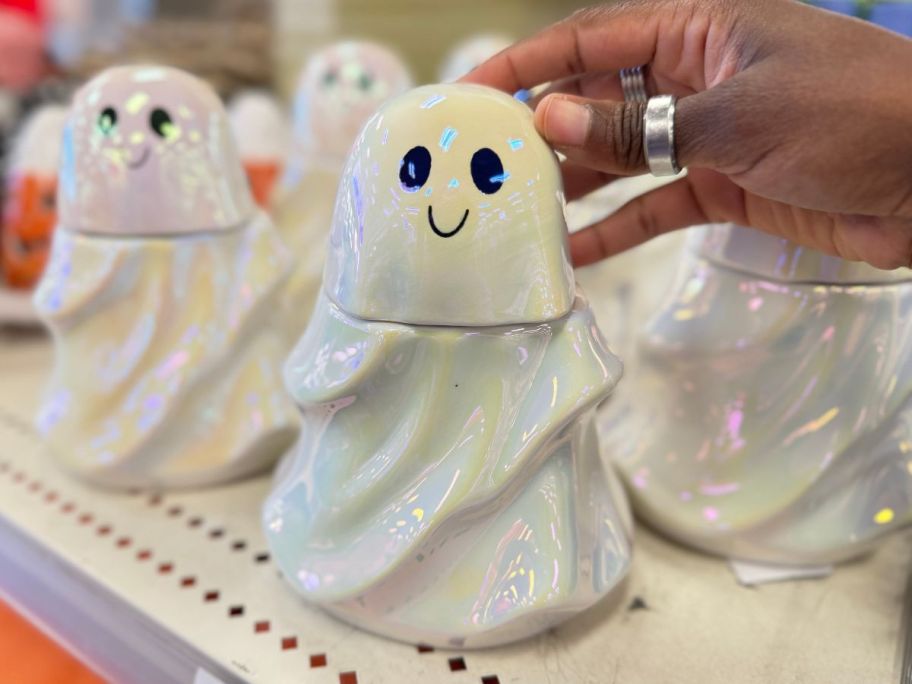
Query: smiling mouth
{"type": "Point", "coordinates": [445, 233]}
{"type": "Point", "coordinates": [139, 162]}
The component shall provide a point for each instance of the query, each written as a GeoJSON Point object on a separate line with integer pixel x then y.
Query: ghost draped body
{"type": "Point", "coordinates": [166, 370]}
{"type": "Point", "coordinates": [449, 465]}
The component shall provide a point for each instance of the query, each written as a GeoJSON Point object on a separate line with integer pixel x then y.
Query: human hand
{"type": "Point", "coordinates": [792, 120]}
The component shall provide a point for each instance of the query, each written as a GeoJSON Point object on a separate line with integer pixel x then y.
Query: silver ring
{"type": "Point", "coordinates": [633, 83]}
{"type": "Point", "coordinates": [659, 136]}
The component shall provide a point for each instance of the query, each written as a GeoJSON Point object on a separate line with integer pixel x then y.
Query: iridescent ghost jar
{"type": "Point", "coordinates": [161, 293]}
{"type": "Point", "coordinates": [447, 486]}
{"type": "Point", "coordinates": [769, 417]}
{"type": "Point", "coordinates": [339, 89]}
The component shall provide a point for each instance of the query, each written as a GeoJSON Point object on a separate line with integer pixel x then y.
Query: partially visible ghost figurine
{"type": "Point", "coordinates": [29, 210]}
{"type": "Point", "coordinates": [161, 292]}
{"type": "Point", "coordinates": [470, 53]}
{"type": "Point", "coordinates": [447, 487]}
{"type": "Point", "coordinates": [263, 135]}
{"type": "Point", "coordinates": [338, 90]}
{"type": "Point", "coordinates": [770, 416]}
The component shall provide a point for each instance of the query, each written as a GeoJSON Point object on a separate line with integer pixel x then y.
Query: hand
{"type": "Point", "coordinates": [792, 120]}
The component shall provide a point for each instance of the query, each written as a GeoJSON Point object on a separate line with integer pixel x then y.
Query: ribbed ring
{"type": "Point", "coordinates": [633, 83]}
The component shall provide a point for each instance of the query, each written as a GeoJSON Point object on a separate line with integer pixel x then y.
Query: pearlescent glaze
{"type": "Point", "coordinates": [447, 486]}
{"type": "Point", "coordinates": [470, 53]}
{"type": "Point", "coordinates": [167, 358]}
{"type": "Point", "coordinates": [769, 416]}
{"type": "Point", "coordinates": [167, 365]}
{"type": "Point", "coordinates": [500, 259]}
{"type": "Point", "coordinates": [338, 90]}
{"type": "Point", "coordinates": [148, 151]}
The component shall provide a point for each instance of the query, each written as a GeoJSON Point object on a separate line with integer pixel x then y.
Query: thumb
{"type": "Point", "coordinates": [608, 136]}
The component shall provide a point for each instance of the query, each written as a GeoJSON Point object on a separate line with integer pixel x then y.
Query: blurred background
{"type": "Point", "coordinates": [239, 43]}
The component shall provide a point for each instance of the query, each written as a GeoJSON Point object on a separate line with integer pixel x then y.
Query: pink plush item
{"type": "Point", "coordinates": [22, 61]}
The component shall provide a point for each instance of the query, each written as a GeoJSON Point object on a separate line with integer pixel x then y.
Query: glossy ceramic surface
{"type": "Point", "coordinates": [30, 206]}
{"type": "Point", "coordinates": [339, 89]}
{"type": "Point", "coordinates": [263, 136]}
{"type": "Point", "coordinates": [429, 503]}
{"type": "Point", "coordinates": [167, 353]}
{"type": "Point", "coordinates": [769, 418]}
{"type": "Point", "coordinates": [447, 486]}
{"type": "Point", "coordinates": [470, 53]}
{"type": "Point", "coordinates": [451, 219]}
{"type": "Point", "coordinates": [148, 151]}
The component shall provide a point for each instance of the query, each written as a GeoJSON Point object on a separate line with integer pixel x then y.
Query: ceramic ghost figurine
{"type": "Point", "coordinates": [263, 136]}
{"type": "Point", "coordinates": [29, 210]}
{"type": "Point", "coordinates": [770, 417]}
{"type": "Point", "coordinates": [161, 293]}
{"type": "Point", "coordinates": [447, 486]}
{"type": "Point", "coordinates": [470, 53]}
{"type": "Point", "coordinates": [338, 90]}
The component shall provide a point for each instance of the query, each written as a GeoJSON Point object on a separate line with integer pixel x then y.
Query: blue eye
{"type": "Point", "coordinates": [415, 168]}
{"type": "Point", "coordinates": [487, 171]}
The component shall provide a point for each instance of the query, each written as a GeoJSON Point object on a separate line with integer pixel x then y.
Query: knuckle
{"type": "Point", "coordinates": [618, 133]}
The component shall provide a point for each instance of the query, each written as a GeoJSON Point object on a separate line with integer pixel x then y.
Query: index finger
{"type": "Point", "coordinates": [612, 37]}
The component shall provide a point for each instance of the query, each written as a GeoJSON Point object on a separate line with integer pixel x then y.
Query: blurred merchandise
{"type": "Point", "coordinates": [263, 136]}
{"type": "Point", "coordinates": [29, 212]}
{"type": "Point", "coordinates": [339, 89]}
{"type": "Point", "coordinates": [470, 53]}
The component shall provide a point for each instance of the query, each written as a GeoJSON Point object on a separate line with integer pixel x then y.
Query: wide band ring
{"type": "Point", "coordinates": [633, 84]}
{"type": "Point", "coordinates": [659, 136]}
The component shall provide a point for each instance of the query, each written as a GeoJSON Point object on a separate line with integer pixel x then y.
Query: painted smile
{"type": "Point", "coordinates": [445, 233]}
{"type": "Point", "coordinates": [139, 162]}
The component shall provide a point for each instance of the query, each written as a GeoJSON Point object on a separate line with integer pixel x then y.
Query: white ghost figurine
{"type": "Point", "coordinates": [470, 53]}
{"type": "Point", "coordinates": [263, 136]}
{"type": "Point", "coordinates": [339, 89]}
{"type": "Point", "coordinates": [161, 293]}
{"type": "Point", "coordinates": [447, 487]}
{"type": "Point", "coordinates": [770, 416]}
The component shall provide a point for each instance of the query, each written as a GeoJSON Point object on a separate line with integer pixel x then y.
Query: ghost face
{"type": "Point", "coordinates": [340, 88]}
{"type": "Point", "coordinates": [451, 213]}
{"type": "Point", "coordinates": [147, 151]}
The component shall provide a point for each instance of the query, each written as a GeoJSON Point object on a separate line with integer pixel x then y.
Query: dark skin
{"type": "Point", "coordinates": [792, 120]}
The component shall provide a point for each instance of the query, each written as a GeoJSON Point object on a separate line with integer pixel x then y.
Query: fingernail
{"type": "Point", "coordinates": [567, 123]}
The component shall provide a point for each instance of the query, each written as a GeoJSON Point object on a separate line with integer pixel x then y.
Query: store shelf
{"type": "Point", "coordinates": [152, 587]}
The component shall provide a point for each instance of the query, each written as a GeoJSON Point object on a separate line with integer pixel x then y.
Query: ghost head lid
{"type": "Point", "coordinates": [148, 151]}
{"type": "Point", "coordinates": [450, 212]}
{"type": "Point", "coordinates": [340, 87]}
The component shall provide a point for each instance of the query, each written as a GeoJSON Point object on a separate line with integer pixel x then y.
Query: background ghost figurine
{"type": "Point", "coordinates": [470, 53]}
{"type": "Point", "coordinates": [769, 418]}
{"type": "Point", "coordinates": [161, 293]}
{"type": "Point", "coordinates": [263, 135]}
{"type": "Point", "coordinates": [29, 210]}
{"type": "Point", "coordinates": [338, 90]}
{"type": "Point", "coordinates": [447, 486]}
